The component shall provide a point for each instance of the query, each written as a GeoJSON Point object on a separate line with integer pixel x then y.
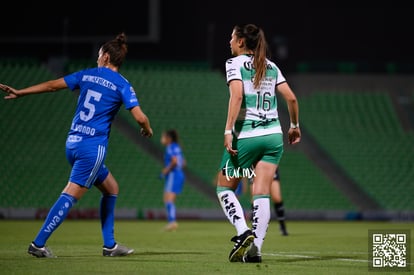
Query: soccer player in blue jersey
{"type": "Point", "coordinates": [103, 90]}
{"type": "Point", "coordinates": [173, 174]}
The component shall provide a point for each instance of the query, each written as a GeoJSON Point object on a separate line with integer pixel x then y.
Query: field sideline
{"type": "Point", "coordinates": [198, 247]}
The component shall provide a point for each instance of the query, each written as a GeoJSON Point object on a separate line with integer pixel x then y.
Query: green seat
{"type": "Point", "coordinates": [361, 132]}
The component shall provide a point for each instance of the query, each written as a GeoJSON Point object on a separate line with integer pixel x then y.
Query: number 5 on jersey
{"type": "Point", "coordinates": [88, 104]}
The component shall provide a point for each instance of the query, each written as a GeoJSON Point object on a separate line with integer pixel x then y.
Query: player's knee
{"type": "Point", "coordinates": [109, 186]}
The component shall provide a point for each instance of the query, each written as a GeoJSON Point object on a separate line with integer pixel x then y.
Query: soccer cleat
{"type": "Point", "coordinates": [252, 255]}
{"type": "Point", "coordinates": [171, 226]}
{"type": "Point", "coordinates": [118, 250]}
{"type": "Point", "coordinates": [241, 243]}
{"type": "Point", "coordinates": [40, 252]}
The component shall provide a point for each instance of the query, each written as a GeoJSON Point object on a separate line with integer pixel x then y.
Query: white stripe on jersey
{"type": "Point", "coordinates": [98, 163]}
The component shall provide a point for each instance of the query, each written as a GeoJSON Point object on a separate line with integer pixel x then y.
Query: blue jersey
{"type": "Point", "coordinates": [102, 92]}
{"type": "Point", "coordinates": [174, 150]}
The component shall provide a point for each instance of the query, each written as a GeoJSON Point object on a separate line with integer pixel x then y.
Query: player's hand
{"type": "Point", "coordinates": [11, 92]}
{"type": "Point", "coordinates": [294, 135]}
{"type": "Point", "coordinates": [228, 144]}
{"type": "Point", "coordinates": [165, 171]}
{"type": "Point", "coordinates": [146, 133]}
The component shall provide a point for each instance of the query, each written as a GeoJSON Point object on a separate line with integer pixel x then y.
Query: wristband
{"type": "Point", "coordinates": [228, 132]}
{"type": "Point", "coordinates": [294, 126]}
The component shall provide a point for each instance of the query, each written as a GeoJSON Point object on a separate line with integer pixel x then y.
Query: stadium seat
{"type": "Point", "coordinates": [189, 97]}
{"type": "Point", "coordinates": [361, 132]}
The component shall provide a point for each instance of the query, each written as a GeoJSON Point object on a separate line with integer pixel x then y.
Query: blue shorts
{"type": "Point", "coordinates": [87, 163]}
{"type": "Point", "coordinates": [174, 182]}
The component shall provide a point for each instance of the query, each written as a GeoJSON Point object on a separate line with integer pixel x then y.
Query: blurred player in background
{"type": "Point", "coordinates": [252, 136]}
{"type": "Point", "coordinates": [241, 187]}
{"type": "Point", "coordinates": [103, 90]}
{"type": "Point", "coordinates": [276, 195]}
{"type": "Point", "coordinates": [173, 175]}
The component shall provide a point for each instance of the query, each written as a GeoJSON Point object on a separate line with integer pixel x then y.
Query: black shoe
{"type": "Point", "coordinates": [242, 242]}
{"type": "Point", "coordinates": [252, 255]}
{"type": "Point", "coordinates": [252, 259]}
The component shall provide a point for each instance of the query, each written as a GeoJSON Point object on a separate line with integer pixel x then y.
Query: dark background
{"type": "Point", "coordinates": [375, 38]}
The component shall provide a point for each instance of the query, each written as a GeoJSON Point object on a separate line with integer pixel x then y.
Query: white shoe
{"type": "Point", "coordinates": [171, 226]}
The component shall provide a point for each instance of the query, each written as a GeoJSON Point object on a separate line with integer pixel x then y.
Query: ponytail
{"type": "Point", "coordinates": [259, 61]}
{"type": "Point", "coordinates": [255, 40]}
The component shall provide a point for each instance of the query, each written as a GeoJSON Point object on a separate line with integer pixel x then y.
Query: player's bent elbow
{"type": "Point", "coordinates": [291, 100]}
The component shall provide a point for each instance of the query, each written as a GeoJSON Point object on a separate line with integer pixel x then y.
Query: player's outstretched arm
{"type": "Point", "coordinates": [44, 87]}
{"type": "Point", "coordinates": [294, 134]}
{"type": "Point", "coordinates": [142, 120]}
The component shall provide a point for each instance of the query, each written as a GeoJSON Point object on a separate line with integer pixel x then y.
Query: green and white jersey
{"type": "Point", "coordinates": [258, 114]}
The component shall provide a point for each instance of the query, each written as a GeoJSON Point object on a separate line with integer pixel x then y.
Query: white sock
{"type": "Point", "coordinates": [261, 219]}
{"type": "Point", "coordinates": [233, 210]}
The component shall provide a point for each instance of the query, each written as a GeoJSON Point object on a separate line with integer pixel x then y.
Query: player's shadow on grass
{"type": "Point", "coordinates": [163, 257]}
{"type": "Point", "coordinates": [158, 253]}
{"type": "Point", "coordinates": [144, 253]}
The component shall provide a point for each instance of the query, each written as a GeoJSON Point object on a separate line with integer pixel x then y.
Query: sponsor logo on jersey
{"type": "Point", "coordinates": [100, 81]}
{"type": "Point", "coordinates": [231, 72]}
{"type": "Point", "coordinates": [248, 65]}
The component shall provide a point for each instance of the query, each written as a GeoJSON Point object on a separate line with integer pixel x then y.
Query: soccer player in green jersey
{"type": "Point", "coordinates": [253, 136]}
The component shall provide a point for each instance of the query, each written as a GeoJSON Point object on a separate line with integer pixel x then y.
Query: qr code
{"type": "Point", "coordinates": [389, 250]}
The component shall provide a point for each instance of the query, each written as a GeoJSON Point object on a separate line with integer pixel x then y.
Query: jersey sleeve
{"type": "Point", "coordinates": [73, 80]}
{"type": "Point", "coordinates": [232, 70]}
{"type": "Point", "coordinates": [129, 98]}
{"type": "Point", "coordinates": [173, 151]}
{"type": "Point", "coordinates": [280, 78]}
{"type": "Point", "coordinates": [170, 151]}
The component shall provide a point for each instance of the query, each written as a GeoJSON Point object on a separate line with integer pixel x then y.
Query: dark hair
{"type": "Point", "coordinates": [172, 134]}
{"type": "Point", "coordinates": [255, 40]}
{"type": "Point", "coordinates": [117, 49]}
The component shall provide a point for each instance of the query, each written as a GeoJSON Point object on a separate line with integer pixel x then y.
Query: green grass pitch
{"type": "Point", "coordinates": [197, 247]}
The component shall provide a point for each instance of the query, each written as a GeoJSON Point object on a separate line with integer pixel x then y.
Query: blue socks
{"type": "Point", "coordinates": [107, 220]}
{"type": "Point", "coordinates": [60, 210]}
{"type": "Point", "coordinates": [55, 217]}
{"type": "Point", "coordinates": [170, 207]}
